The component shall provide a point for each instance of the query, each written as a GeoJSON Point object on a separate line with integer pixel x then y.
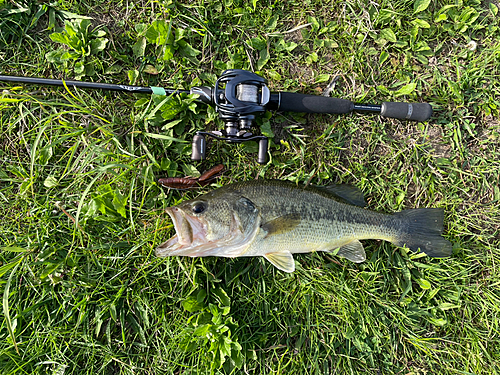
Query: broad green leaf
{"type": "Point", "coordinates": [190, 170]}
{"type": "Point", "coordinates": [45, 155]}
{"type": "Point", "coordinates": [140, 28]}
{"type": "Point", "coordinates": [322, 78]}
{"type": "Point", "coordinates": [290, 46]}
{"type": "Point", "coordinates": [272, 23]}
{"type": "Point", "coordinates": [200, 296]}
{"type": "Point", "coordinates": [179, 34]}
{"type": "Point", "coordinates": [187, 50]}
{"type": "Point", "coordinates": [406, 89]}
{"type": "Point", "coordinates": [400, 198]}
{"type": "Point", "coordinates": [50, 182]}
{"type": "Point", "coordinates": [424, 284]}
{"type": "Point", "coordinates": [421, 5]}
{"type": "Point", "coordinates": [421, 23]}
{"type": "Point", "coordinates": [89, 69]}
{"type": "Point", "coordinates": [263, 59]}
{"type": "Point", "coordinates": [388, 35]}
{"type": "Point", "coordinates": [119, 202]}
{"type": "Point", "coordinates": [441, 17]}
{"type": "Point", "coordinates": [141, 102]}
{"type": "Point", "coordinates": [438, 322]}
{"type": "Point", "coordinates": [314, 23]}
{"type": "Point", "coordinates": [150, 69]}
{"type": "Point", "coordinates": [493, 9]}
{"type": "Point", "coordinates": [98, 33]}
{"type": "Point", "coordinates": [59, 38]}
{"type": "Point", "coordinates": [171, 124]}
{"type": "Point", "coordinates": [257, 43]}
{"type": "Point", "coordinates": [414, 32]}
{"type": "Point", "coordinates": [152, 34]}
{"type": "Point", "coordinates": [97, 45]}
{"type": "Point", "coordinates": [266, 129]}
{"type": "Point", "coordinates": [168, 52]}
{"type": "Point", "coordinates": [79, 67]}
{"type": "Point", "coordinates": [191, 304]}
{"type": "Point", "coordinates": [159, 33]}
{"type": "Point", "coordinates": [223, 297]}
{"type": "Point", "coordinates": [132, 76]}
{"type": "Point", "coordinates": [311, 58]}
{"type": "Point", "coordinates": [202, 330]}
{"type": "Point", "coordinates": [383, 57]}
{"type": "Point", "coordinates": [139, 47]}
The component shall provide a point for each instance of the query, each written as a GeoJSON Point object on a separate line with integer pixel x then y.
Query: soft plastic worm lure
{"type": "Point", "coordinates": [184, 183]}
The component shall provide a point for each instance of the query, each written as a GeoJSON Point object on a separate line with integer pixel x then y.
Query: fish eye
{"type": "Point", "coordinates": [199, 207]}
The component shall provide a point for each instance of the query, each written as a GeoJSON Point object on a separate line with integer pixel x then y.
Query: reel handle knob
{"type": "Point", "coordinates": [262, 155]}
{"type": "Point", "coordinates": [199, 146]}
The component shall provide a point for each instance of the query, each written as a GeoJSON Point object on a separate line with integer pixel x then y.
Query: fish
{"type": "Point", "coordinates": [275, 219]}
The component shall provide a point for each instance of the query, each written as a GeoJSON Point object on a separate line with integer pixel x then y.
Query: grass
{"type": "Point", "coordinates": [82, 213]}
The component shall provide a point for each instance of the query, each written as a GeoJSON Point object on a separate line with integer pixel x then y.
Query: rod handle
{"type": "Point", "coordinates": [407, 111]}
{"type": "Point", "coordinates": [296, 102]}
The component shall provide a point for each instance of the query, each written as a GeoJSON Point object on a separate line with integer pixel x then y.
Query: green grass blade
{"type": "Point", "coordinates": [5, 305]}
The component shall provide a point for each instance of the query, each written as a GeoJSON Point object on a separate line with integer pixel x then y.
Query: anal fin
{"type": "Point", "coordinates": [353, 251]}
{"type": "Point", "coordinates": [282, 260]}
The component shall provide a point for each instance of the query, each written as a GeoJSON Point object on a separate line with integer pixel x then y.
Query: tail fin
{"type": "Point", "coordinates": [421, 230]}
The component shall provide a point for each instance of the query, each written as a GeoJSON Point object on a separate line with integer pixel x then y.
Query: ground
{"type": "Point", "coordinates": [82, 289]}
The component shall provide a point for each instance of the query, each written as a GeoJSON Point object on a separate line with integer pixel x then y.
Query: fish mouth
{"type": "Point", "coordinates": [190, 233]}
{"type": "Point", "coordinates": [191, 238]}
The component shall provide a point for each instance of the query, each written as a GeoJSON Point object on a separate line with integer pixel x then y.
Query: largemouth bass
{"type": "Point", "coordinates": [276, 219]}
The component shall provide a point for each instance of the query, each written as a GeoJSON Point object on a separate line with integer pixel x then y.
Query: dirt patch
{"type": "Point", "coordinates": [435, 138]}
{"type": "Point", "coordinates": [432, 135]}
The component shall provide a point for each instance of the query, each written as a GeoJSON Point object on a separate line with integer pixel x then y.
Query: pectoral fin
{"type": "Point", "coordinates": [282, 260]}
{"type": "Point", "coordinates": [353, 251]}
{"type": "Point", "coordinates": [281, 224]}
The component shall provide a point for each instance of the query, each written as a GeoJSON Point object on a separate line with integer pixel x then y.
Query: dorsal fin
{"type": "Point", "coordinates": [346, 193]}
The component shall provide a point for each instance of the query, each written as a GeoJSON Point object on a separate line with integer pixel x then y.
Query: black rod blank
{"type": "Point", "coordinates": [91, 85]}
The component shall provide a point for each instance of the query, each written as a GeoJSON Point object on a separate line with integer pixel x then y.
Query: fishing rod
{"type": "Point", "coordinates": [239, 95]}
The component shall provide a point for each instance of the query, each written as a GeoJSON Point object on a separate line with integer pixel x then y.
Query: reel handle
{"type": "Point", "coordinates": [199, 144]}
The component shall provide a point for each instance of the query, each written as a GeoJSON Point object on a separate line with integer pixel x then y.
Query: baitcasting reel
{"type": "Point", "coordinates": [239, 95]}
